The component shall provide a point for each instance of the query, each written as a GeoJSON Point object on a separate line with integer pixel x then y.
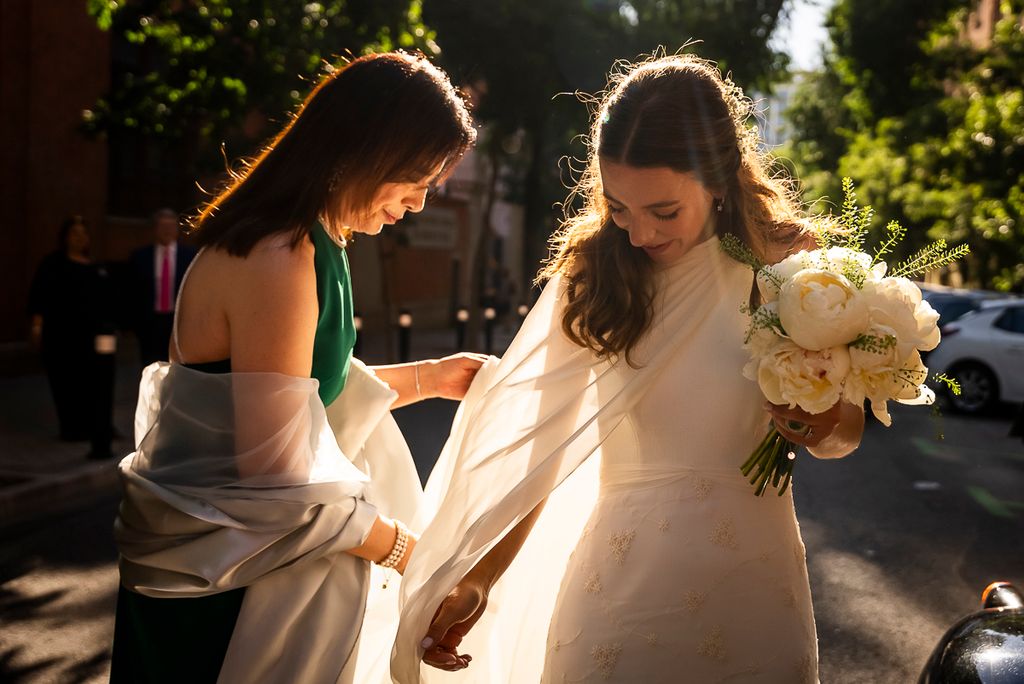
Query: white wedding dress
{"type": "Point", "coordinates": [678, 573]}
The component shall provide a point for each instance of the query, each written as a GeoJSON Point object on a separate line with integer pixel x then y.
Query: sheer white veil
{"type": "Point", "coordinates": [533, 427]}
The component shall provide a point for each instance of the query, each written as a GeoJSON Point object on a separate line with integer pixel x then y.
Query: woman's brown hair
{"type": "Point", "coordinates": [676, 112]}
{"type": "Point", "coordinates": [389, 117]}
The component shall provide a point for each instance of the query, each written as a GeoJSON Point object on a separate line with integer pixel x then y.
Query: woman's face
{"type": "Point", "coordinates": [78, 239]}
{"type": "Point", "coordinates": [391, 202]}
{"type": "Point", "coordinates": [665, 212]}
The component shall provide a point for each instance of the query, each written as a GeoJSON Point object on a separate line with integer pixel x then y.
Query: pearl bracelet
{"type": "Point", "coordinates": [398, 550]}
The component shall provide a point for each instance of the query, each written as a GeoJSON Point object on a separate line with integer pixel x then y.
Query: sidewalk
{"type": "Point", "coordinates": [42, 477]}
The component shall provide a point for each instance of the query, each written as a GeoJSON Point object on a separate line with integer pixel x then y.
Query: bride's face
{"type": "Point", "coordinates": [665, 212]}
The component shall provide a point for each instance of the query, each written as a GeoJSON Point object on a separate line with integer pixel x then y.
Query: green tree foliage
{"type": "Point", "coordinates": [943, 152]}
{"type": "Point", "coordinates": [195, 72]}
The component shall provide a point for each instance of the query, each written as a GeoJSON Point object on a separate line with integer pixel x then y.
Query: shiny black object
{"type": "Point", "coordinates": [985, 647]}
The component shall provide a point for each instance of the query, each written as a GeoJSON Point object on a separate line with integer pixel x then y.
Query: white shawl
{"type": "Point", "coordinates": [242, 480]}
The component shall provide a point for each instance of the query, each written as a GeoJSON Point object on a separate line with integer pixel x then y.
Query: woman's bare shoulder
{"type": "Point", "coordinates": [278, 254]}
{"type": "Point", "coordinates": [273, 308]}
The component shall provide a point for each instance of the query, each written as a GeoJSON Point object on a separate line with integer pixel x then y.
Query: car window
{"type": "Point", "coordinates": [953, 309]}
{"type": "Point", "coordinates": [1011, 320]}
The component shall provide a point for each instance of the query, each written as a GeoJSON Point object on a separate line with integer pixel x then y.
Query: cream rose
{"type": "Point", "coordinates": [820, 309]}
{"type": "Point", "coordinates": [896, 303]}
{"type": "Point", "coordinates": [812, 380]}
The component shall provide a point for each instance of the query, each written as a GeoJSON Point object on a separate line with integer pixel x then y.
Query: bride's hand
{"type": "Point", "coordinates": [801, 427]}
{"type": "Point", "coordinates": [450, 377]}
{"type": "Point", "coordinates": [456, 615]}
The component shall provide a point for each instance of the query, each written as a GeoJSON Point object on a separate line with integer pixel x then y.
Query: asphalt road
{"type": "Point", "coordinates": [902, 537]}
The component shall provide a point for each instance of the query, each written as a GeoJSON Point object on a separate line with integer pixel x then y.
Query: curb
{"type": "Point", "coordinates": [50, 495]}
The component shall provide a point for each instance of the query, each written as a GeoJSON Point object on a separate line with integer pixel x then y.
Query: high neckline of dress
{"type": "Point", "coordinates": [696, 254]}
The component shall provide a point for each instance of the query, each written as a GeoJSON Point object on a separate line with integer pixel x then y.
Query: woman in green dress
{"type": "Point", "coordinates": [245, 537]}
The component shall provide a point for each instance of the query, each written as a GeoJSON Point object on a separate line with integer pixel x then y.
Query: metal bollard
{"type": "Point", "coordinates": [357, 322]}
{"type": "Point", "coordinates": [404, 336]}
{"type": "Point", "coordinates": [461, 318]}
{"type": "Point", "coordinates": [490, 314]}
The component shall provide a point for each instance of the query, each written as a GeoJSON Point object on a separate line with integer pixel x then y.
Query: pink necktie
{"type": "Point", "coordinates": [164, 300]}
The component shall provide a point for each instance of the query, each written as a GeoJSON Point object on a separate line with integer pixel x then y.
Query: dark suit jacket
{"type": "Point", "coordinates": [144, 277]}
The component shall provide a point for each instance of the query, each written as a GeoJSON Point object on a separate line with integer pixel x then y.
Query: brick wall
{"type": "Point", "coordinates": [54, 63]}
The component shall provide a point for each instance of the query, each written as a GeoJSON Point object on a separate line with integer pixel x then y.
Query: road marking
{"type": "Point", "coordinates": [997, 507]}
{"type": "Point", "coordinates": [930, 448]}
{"type": "Point", "coordinates": [926, 446]}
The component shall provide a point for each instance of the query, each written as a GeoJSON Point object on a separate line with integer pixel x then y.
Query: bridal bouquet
{"type": "Point", "coordinates": [838, 323]}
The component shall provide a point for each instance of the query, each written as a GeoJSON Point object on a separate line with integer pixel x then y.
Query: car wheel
{"type": "Point", "coordinates": [979, 388]}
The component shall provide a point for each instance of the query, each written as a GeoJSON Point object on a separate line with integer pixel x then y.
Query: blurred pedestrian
{"type": "Point", "coordinates": [71, 307]}
{"type": "Point", "coordinates": [158, 269]}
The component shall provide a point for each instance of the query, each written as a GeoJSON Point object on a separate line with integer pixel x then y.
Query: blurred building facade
{"type": "Point", "coordinates": [54, 62]}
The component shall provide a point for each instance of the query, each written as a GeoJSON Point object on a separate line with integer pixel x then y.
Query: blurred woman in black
{"type": "Point", "coordinates": [70, 305]}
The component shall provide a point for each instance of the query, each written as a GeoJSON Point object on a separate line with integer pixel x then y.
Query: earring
{"type": "Point", "coordinates": [720, 205]}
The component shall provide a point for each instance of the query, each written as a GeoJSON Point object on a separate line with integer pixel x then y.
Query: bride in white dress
{"type": "Point", "coordinates": [615, 427]}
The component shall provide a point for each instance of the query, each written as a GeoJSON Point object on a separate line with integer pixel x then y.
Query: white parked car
{"type": "Point", "coordinates": [984, 352]}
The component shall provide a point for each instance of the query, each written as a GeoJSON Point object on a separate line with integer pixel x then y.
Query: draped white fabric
{"type": "Point", "coordinates": [238, 480]}
{"type": "Point", "coordinates": [552, 419]}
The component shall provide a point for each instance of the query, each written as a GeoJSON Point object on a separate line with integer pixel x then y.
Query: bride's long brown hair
{"type": "Point", "coordinates": [677, 112]}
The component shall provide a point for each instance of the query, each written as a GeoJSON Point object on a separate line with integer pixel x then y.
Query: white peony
{"type": "Point", "coordinates": [844, 259]}
{"type": "Point", "coordinates": [812, 380]}
{"type": "Point", "coordinates": [820, 309]}
{"type": "Point", "coordinates": [881, 376]}
{"type": "Point", "coordinates": [762, 341]}
{"type": "Point", "coordinates": [837, 260]}
{"type": "Point", "coordinates": [783, 271]}
{"type": "Point", "coordinates": [896, 303]}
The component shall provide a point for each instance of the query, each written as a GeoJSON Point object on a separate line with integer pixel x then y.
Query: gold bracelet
{"type": "Point", "coordinates": [419, 394]}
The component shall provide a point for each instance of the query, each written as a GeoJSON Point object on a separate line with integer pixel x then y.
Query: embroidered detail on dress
{"type": "Point", "coordinates": [558, 645]}
{"type": "Point", "coordinates": [593, 584]}
{"type": "Point", "coordinates": [620, 543]}
{"type": "Point", "coordinates": [663, 524]}
{"type": "Point", "coordinates": [724, 534]}
{"type": "Point", "coordinates": [713, 645]}
{"type": "Point", "coordinates": [702, 487]}
{"type": "Point", "coordinates": [651, 638]}
{"type": "Point", "coordinates": [765, 557]}
{"type": "Point", "coordinates": [694, 600]}
{"type": "Point", "coordinates": [789, 598]}
{"type": "Point", "coordinates": [606, 657]}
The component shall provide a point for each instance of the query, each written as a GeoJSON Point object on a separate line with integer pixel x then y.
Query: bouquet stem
{"type": "Point", "coordinates": [772, 462]}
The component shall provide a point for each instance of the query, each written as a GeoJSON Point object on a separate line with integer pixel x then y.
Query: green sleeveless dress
{"type": "Point", "coordinates": [185, 639]}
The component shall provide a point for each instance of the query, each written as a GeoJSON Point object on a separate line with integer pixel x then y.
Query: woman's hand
{"type": "Point", "coordinates": [801, 427]}
{"type": "Point", "coordinates": [832, 434]}
{"type": "Point", "coordinates": [458, 612]}
{"type": "Point", "coordinates": [450, 377]}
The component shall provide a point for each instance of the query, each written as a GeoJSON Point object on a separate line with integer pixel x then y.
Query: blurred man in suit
{"type": "Point", "coordinates": [158, 269]}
